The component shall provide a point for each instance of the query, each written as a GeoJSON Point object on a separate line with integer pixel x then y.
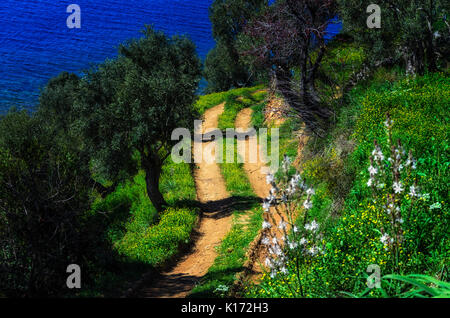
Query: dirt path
{"type": "Point", "coordinates": [256, 169]}
{"type": "Point", "coordinates": [214, 225]}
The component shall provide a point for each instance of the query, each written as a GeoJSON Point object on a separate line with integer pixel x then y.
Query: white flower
{"type": "Point", "coordinates": [310, 191]}
{"type": "Point", "coordinates": [266, 225]}
{"type": "Point", "coordinates": [378, 154]}
{"type": "Point", "coordinates": [286, 163]}
{"type": "Point", "coordinates": [372, 170]}
{"type": "Point", "coordinates": [303, 241]}
{"type": "Point", "coordinates": [284, 270]}
{"type": "Point", "coordinates": [297, 178]}
{"type": "Point", "coordinates": [397, 186]}
{"type": "Point", "coordinates": [436, 205]}
{"type": "Point", "coordinates": [273, 274]}
{"type": "Point", "coordinates": [293, 183]}
{"type": "Point", "coordinates": [313, 251]}
{"type": "Point", "coordinates": [400, 220]}
{"type": "Point", "coordinates": [295, 229]}
{"type": "Point", "coordinates": [282, 225]}
{"type": "Point", "coordinates": [307, 205]}
{"type": "Point", "coordinates": [413, 191]}
{"type": "Point", "coordinates": [312, 226]}
{"type": "Point", "coordinates": [388, 122]}
{"type": "Point", "coordinates": [369, 182]}
{"type": "Point", "coordinates": [293, 245]}
{"type": "Point", "coordinates": [276, 250]}
{"type": "Point", "coordinates": [273, 191]}
{"type": "Point", "coordinates": [385, 239]}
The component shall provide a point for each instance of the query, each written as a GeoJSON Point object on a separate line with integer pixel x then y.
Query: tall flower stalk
{"type": "Point", "coordinates": [288, 234]}
{"type": "Point", "coordinates": [389, 179]}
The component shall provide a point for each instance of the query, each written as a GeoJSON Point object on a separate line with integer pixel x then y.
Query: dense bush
{"type": "Point", "coordinates": [44, 195]}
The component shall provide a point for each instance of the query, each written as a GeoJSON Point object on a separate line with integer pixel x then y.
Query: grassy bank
{"type": "Point", "coordinates": [141, 241]}
{"type": "Point", "coordinates": [344, 205]}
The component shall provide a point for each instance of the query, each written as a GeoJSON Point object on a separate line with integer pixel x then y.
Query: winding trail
{"type": "Point", "coordinates": [256, 171]}
{"type": "Point", "coordinates": [215, 222]}
{"type": "Point", "coordinates": [216, 219]}
{"type": "Point", "coordinates": [254, 166]}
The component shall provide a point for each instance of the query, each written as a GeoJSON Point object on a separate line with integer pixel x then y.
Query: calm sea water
{"type": "Point", "coordinates": [35, 43]}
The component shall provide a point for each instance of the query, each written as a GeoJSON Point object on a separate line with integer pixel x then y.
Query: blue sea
{"type": "Point", "coordinates": [36, 44]}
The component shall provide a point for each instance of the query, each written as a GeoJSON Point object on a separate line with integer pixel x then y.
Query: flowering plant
{"type": "Point", "coordinates": [288, 237]}
{"type": "Point", "coordinates": [390, 179]}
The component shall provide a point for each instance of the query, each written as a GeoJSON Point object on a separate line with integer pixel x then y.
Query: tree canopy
{"type": "Point", "coordinates": [129, 106]}
{"type": "Point", "coordinates": [291, 34]}
{"type": "Point", "coordinates": [416, 31]}
{"type": "Point", "coordinates": [223, 67]}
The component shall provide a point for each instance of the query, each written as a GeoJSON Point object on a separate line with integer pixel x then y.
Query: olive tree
{"type": "Point", "coordinates": [224, 68]}
{"type": "Point", "coordinates": [415, 31]}
{"type": "Point", "coordinates": [129, 106]}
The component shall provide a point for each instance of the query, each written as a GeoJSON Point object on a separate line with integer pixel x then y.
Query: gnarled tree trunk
{"type": "Point", "coordinates": [153, 168]}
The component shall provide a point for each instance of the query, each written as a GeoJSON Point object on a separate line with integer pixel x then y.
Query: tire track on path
{"type": "Point", "coordinates": [215, 223]}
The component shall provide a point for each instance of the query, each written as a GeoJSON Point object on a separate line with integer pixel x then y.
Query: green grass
{"type": "Point", "coordinates": [140, 241]}
{"type": "Point", "coordinates": [165, 237]}
{"type": "Point", "coordinates": [207, 101]}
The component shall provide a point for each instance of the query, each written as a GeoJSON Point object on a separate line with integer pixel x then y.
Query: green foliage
{"type": "Point", "coordinates": [57, 98]}
{"type": "Point", "coordinates": [43, 197]}
{"type": "Point", "coordinates": [131, 214]}
{"type": "Point", "coordinates": [135, 102]}
{"type": "Point", "coordinates": [418, 108]}
{"type": "Point", "coordinates": [224, 69]}
{"type": "Point", "coordinates": [221, 72]}
{"type": "Point", "coordinates": [208, 101]}
{"type": "Point", "coordinates": [159, 243]}
{"type": "Point", "coordinates": [408, 30]}
{"type": "Point", "coordinates": [341, 62]}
